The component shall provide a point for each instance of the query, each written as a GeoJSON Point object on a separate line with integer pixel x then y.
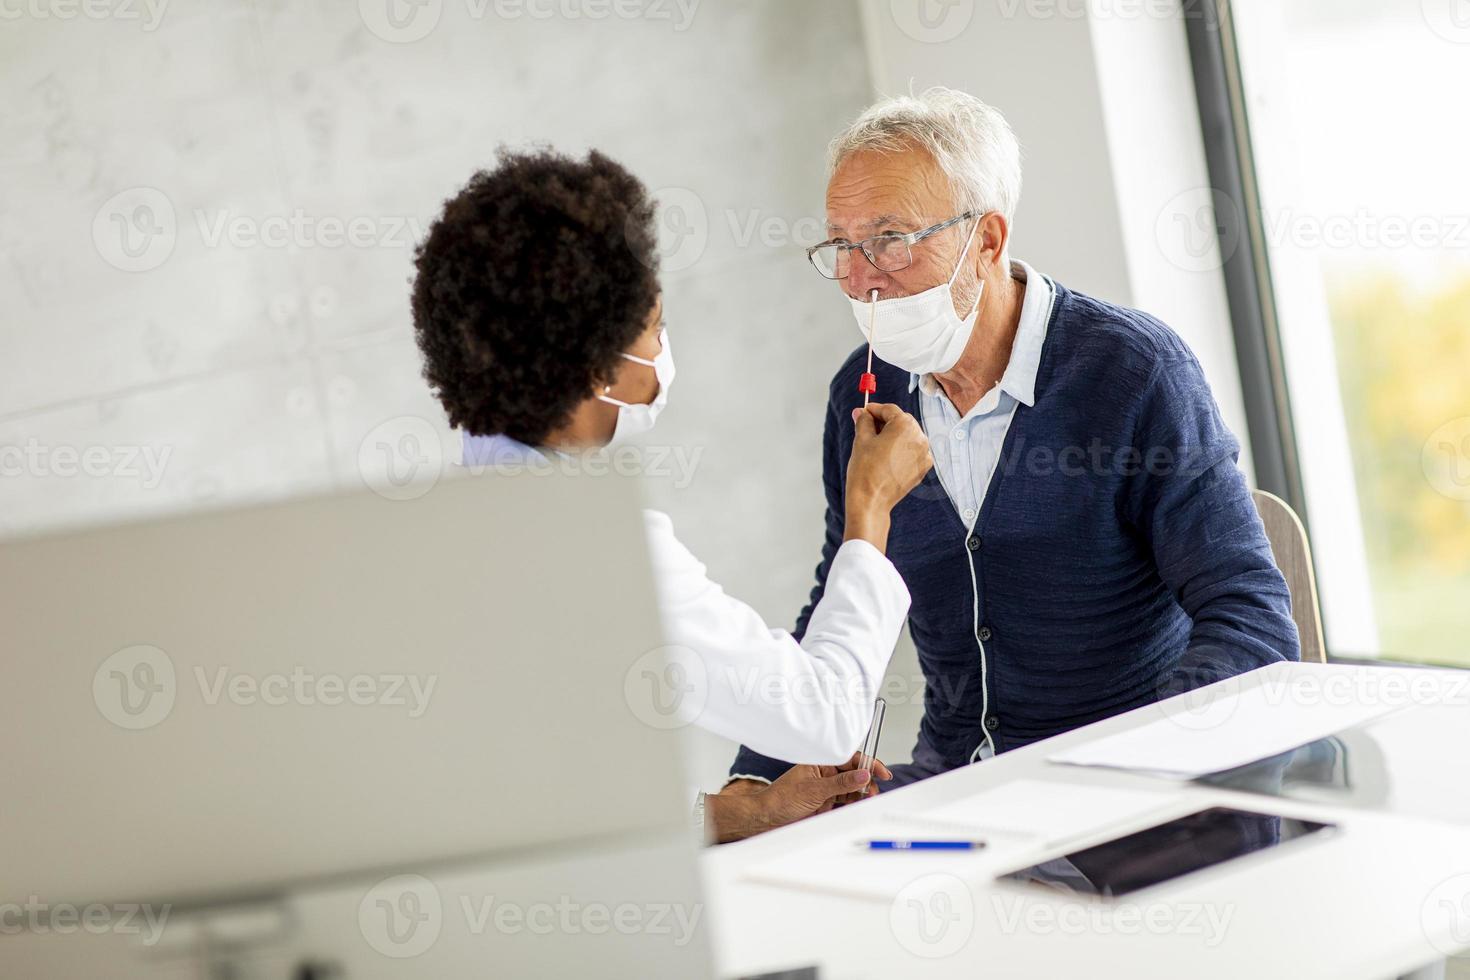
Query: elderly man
{"type": "Point", "coordinates": [1085, 543]}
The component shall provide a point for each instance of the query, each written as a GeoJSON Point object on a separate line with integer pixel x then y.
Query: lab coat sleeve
{"type": "Point", "coordinates": [809, 701]}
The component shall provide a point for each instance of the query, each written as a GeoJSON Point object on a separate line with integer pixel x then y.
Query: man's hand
{"type": "Point", "coordinates": [800, 792]}
{"type": "Point", "coordinates": [890, 455]}
{"type": "Point", "coordinates": [746, 808]}
{"type": "Point", "coordinates": [880, 775]}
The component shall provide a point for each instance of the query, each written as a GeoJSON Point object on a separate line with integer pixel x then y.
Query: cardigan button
{"type": "Point", "coordinates": [992, 723]}
{"type": "Point", "coordinates": [973, 542]}
{"type": "Point", "coordinates": [984, 634]}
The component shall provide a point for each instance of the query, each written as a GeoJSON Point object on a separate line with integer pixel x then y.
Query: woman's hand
{"type": "Point", "coordinates": [890, 456]}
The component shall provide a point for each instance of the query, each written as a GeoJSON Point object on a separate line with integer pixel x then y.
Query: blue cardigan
{"type": "Point", "coordinates": [1118, 557]}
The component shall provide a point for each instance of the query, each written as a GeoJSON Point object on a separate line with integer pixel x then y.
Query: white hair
{"type": "Point", "coordinates": [970, 141]}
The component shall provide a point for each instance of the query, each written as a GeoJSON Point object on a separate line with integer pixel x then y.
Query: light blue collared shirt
{"type": "Point", "coordinates": [497, 450]}
{"type": "Point", "coordinates": [966, 450]}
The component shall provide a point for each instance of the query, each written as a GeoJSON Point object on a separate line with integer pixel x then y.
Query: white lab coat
{"type": "Point", "coordinates": [807, 702]}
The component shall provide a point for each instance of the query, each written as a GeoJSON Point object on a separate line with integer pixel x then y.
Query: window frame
{"type": "Point", "coordinates": [1249, 287]}
{"type": "Point", "coordinates": [1247, 268]}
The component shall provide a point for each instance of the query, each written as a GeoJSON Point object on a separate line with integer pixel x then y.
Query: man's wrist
{"type": "Point", "coordinates": [745, 784]}
{"type": "Point", "coordinates": [731, 817]}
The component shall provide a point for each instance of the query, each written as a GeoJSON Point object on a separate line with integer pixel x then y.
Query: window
{"type": "Point", "coordinates": [1357, 162]}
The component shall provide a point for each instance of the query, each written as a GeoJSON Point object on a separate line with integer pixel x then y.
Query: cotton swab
{"type": "Point", "coordinates": [868, 383]}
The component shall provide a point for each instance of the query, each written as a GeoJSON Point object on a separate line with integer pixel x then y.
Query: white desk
{"type": "Point", "coordinates": [1366, 901]}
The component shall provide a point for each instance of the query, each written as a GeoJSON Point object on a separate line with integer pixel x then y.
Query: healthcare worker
{"type": "Point", "coordinates": [538, 311]}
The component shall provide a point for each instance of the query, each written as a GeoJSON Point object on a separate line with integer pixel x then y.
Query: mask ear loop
{"type": "Point", "coordinates": [606, 388]}
{"type": "Point", "coordinates": [961, 264]}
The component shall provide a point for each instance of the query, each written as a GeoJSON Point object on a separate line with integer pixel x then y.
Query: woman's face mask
{"type": "Point", "coordinates": [636, 419]}
{"type": "Point", "coordinates": [921, 333]}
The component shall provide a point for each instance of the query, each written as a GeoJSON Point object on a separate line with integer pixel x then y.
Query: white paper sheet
{"type": "Point", "coordinates": [1035, 809]}
{"type": "Point", "coordinates": [1017, 821]}
{"type": "Point", "coordinates": [842, 866]}
{"type": "Point", "coordinates": [1195, 735]}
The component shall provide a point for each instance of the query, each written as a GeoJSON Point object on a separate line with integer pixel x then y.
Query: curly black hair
{"type": "Point", "coordinates": [538, 274]}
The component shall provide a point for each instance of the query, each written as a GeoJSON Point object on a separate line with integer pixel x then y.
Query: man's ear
{"type": "Point", "coordinates": [994, 234]}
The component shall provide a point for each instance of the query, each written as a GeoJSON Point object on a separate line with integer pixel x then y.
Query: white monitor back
{"type": "Point", "coordinates": [335, 695]}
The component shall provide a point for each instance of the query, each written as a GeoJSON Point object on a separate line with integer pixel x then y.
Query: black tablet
{"type": "Point", "coordinates": [1165, 852]}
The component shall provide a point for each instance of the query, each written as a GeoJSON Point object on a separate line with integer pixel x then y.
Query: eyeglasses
{"type": "Point", "coordinates": [888, 253]}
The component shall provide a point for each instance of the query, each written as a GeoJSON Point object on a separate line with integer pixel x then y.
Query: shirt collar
{"type": "Point", "coordinates": [1020, 377]}
{"type": "Point", "coordinates": [497, 449]}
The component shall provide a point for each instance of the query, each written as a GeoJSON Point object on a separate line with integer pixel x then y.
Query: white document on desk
{"type": "Point", "coordinates": [844, 866]}
{"type": "Point", "coordinates": [1018, 821]}
{"type": "Point", "coordinates": [1046, 812]}
{"type": "Point", "coordinates": [1194, 737]}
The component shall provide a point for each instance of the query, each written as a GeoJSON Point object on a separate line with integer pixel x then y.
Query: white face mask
{"type": "Point", "coordinates": [921, 333]}
{"type": "Point", "coordinates": [636, 419]}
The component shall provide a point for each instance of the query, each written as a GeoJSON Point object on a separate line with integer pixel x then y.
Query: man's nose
{"type": "Point", "coordinates": [863, 277]}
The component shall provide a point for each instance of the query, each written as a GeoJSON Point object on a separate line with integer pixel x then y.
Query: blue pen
{"type": "Point", "coordinates": [925, 845]}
